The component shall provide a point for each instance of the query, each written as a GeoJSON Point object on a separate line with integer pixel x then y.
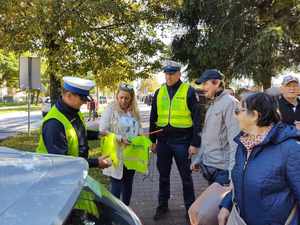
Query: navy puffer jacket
{"type": "Point", "coordinates": [267, 186]}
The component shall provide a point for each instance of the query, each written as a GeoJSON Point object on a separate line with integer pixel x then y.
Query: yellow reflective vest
{"type": "Point", "coordinates": [72, 138]}
{"type": "Point", "coordinates": [175, 112]}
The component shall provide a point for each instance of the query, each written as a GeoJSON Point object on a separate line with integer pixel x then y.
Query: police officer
{"type": "Point", "coordinates": [174, 111]}
{"type": "Point", "coordinates": [63, 128]}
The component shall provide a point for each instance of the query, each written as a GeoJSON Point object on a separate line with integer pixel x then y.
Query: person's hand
{"type": "Point", "coordinates": [104, 162]}
{"type": "Point", "coordinates": [192, 151]}
{"type": "Point", "coordinates": [153, 148]}
{"type": "Point", "coordinates": [195, 167]}
{"type": "Point", "coordinates": [125, 141]}
{"type": "Point", "coordinates": [103, 133]}
{"type": "Point", "coordinates": [223, 216]}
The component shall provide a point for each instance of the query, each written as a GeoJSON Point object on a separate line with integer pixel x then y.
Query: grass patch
{"type": "Point", "coordinates": [22, 142]}
{"type": "Point", "coordinates": [29, 143]}
{"type": "Point", "coordinates": [5, 104]}
{"type": "Point", "coordinates": [100, 111]}
{"type": "Point", "coordinates": [19, 109]}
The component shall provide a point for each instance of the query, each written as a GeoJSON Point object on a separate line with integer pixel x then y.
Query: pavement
{"type": "Point", "coordinates": [12, 123]}
{"type": "Point", "coordinates": [145, 192]}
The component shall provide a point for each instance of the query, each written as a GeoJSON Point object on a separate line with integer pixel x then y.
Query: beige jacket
{"type": "Point", "coordinates": [220, 128]}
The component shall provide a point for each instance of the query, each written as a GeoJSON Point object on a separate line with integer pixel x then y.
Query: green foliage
{"type": "Point", "coordinates": [254, 39]}
{"type": "Point", "coordinates": [148, 86]}
{"type": "Point", "coordinates": [9, 69]}
{"type": "Point", "coordinates": [113, 39]}
{"type": "Point", "coordinates": [20, 108]}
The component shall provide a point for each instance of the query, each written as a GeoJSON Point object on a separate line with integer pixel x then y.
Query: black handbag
{"type": "Point", "coordinates": [208, 172]}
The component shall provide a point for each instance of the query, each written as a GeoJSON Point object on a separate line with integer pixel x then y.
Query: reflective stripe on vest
{"type": "Point", "coordinates": [175, 112]}
{"type": "Point", "coordinates": [71, 135]}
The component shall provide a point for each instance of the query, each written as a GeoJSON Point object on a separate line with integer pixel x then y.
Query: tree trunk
{"type": "Point", "coordinates": [55, 85]}
{"type": "Point", "coordinates": [267, 82]}
{"type": "Point", "coordinates": [37, 97]}
{"type": "Point", "coordinates": [55, 88]}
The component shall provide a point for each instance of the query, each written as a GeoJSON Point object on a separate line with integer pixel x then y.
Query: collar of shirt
{"type": "Point", "coordinates": [218, 95]}
{"type": "Point", "coordinates": [290, 104]}
{"type": "Point", "coordinates": [250, 141]}
{"type": "Point", "coordinates": [172, 89]}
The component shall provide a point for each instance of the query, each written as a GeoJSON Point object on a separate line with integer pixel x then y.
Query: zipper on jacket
{"type": "Point", "coordinates": [243, 184]}
{"type": "Point", "coordinates": [245, 165]}
{"type": "Point", "coordinates": [170, 111]}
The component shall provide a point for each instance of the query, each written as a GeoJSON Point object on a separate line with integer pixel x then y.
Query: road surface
{"type": "Point", "coordinates": [15, 122]}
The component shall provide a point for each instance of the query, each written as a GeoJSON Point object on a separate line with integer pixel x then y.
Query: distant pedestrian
{"type": "Point", "coordinates": [289, 103]}
{"type": "Point", "coordinates": [92, 109]}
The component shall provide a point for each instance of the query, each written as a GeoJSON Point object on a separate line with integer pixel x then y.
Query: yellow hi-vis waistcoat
{"type": "Point", "coordinates": [175, 112]}
{"type": "Point", "coordinates": [72, 138]}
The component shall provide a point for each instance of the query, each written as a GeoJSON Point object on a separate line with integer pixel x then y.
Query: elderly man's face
{"type": "Point", "coordinates": [172, 78]}
{"type": "Point", "coordinates": [290, 90]}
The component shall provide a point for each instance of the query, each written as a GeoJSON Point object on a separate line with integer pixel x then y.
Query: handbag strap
{"type": "Point", "coordinates": [292, 213]}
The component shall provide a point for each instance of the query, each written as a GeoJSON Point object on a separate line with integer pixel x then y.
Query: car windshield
{"type": "Point", "coordinates": [97, 206]}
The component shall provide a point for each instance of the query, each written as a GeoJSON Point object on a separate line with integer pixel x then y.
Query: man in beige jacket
{"type": "Point", "coordinates": [217, 150]}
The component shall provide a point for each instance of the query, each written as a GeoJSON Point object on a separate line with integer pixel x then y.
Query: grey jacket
{"type": "Point", "coordinates": [220, 127]}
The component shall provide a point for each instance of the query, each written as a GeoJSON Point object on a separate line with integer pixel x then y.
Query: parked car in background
{"type": "Point", "coordinates": [37, 189]}
{"type": "Point", "coordinates": [102, 100]}
{"type": "Point", "coordinates": [46, 105]}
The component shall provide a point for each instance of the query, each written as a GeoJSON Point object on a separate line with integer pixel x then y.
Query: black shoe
{"type": "Point", "coordinates": [161, 211]}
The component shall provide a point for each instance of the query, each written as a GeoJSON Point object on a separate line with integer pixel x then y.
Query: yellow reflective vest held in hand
{"type": "Point", "coordinates": [109, 147]}
{"type": "Point", "coordinates": [136, 155]}
{"type": "Point", "coordinates": [175, 112]}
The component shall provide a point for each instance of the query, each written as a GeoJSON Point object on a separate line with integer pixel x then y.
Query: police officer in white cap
{"type": "Point", "coordinates": [176, 114]}
{"type": "Point", "coordinates": [63, 128]}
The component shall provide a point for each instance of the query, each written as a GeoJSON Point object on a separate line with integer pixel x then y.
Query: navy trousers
{"type": "Point", "coordinates": [165, 153]}
{"type": "Point", "coordinates": [123, 186]}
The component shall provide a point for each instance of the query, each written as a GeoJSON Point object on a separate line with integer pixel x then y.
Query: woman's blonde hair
{"type": "Point", "coordinates": [133, 108]}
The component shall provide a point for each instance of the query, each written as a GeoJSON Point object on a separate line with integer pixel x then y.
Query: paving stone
{"type": "Point", "coordinates": [145, 192]}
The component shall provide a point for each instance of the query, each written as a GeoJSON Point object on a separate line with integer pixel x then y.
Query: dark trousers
{"type": "Point", "coordinates": [165, 154]}
{"type": "Point", "coordinates": [123, 186]}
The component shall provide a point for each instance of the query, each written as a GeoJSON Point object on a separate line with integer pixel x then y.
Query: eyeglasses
{"type": "Point", "coordinates": [126, 87]}
{"type": "Point", "coordinates": [239, 110]}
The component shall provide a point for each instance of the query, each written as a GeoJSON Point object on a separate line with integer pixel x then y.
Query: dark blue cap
{"type": "Point", "coordinates": [211, 74]}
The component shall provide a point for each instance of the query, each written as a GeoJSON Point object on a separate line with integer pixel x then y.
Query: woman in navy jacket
{"type": "Point", "coordinates": [266, 175]}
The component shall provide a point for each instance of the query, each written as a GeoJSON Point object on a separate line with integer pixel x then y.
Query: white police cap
{"type": "Point", "coordinates": [78, 85]}
{"type": "Point", "coordinates": [171, 66]}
